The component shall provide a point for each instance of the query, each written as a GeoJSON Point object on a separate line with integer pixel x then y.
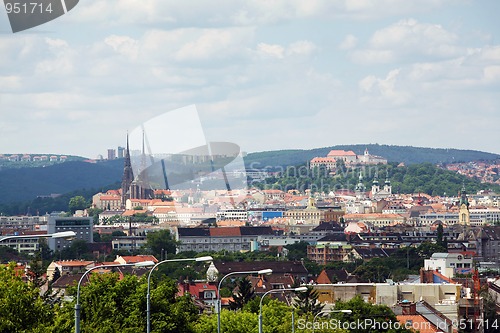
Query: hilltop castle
{"type": "Point", "coordinates": [348, 157]}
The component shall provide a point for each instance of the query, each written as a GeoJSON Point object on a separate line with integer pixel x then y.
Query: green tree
{"type": "Point", "coordinates": [118, 233]}
{"type": "Point", "coordinates": [78, 249]}
{"type": "Point", "coordinates": [426, 249]}
{"type": "Point", "coordinates": [21, 307]}
{"type": "Point", "coordinates": [364, 312]}
{"type": "Point", "coordinates": [109, 304]}
{"type": "Point", "coordinates": [231, 321]}
{"type": "Point", "coordinates": [76, 203]}
{"type": "Point", "coordinates": [297, 251]}
{"type": "Point", "coordinates": [307, 301]}
{"type": "Point", "coordinates": [36, 271]}
{"type": "Point", "coordinates": [375, 270]}
{"type": "Point", "coordinates": [491, 318]}
{"type": "Point", "coordinates": [56, 275]}
{"type": "Point", "coordinates": [94, 212]}
{"type": "Point", "coordinates": [243, 295]}
{"type": "Point", "coordinates": [160, 241]}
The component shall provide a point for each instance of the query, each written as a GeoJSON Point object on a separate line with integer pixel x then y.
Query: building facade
{"type": "Point", "coordinates": [82, 226]}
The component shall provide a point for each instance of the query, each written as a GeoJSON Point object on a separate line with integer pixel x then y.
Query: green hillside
{"type": "Point", "coordinates": [415, 178]}
{"type": "Point", "coordinates": [407, 155]}
{"type": "Point", "coordinates": [20, 186]}
{"type": "Point", "coordinates": [23, 184]}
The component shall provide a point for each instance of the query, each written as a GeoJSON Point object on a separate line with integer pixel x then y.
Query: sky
{"type": "Point", "coordinates": [263, 74]}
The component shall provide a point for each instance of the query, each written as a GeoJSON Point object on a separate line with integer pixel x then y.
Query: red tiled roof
{"type": "Point", "coordinates": [272, 191]}
{"type": "Point", "coordinates": [139, 258]}
{"type": "Point", "coordinates": [74, 263]}
{"type": "Point", "coordinates": [323, 160]}
{"type": "Point", "coordinates": [225, 232]}
{"type": "Point", "coordinates": [109, 197]}
{"type": "Point", "coordinates": [417, 323]}
{"type": "Point", "coordinates": [164, 210]}
{"type": "Point", "coordinates": [132, 212]}
{"type": "Point", "coordinates": [341, 153]}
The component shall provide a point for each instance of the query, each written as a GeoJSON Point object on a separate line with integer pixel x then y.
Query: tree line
{"type": "Point", "coordinates": [415, 178]}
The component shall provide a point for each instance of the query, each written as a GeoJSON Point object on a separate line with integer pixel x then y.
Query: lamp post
{"type": "Point", "coordinates": [329, 311]}
{"type": "Point", "coordinates": [77, 305]}
{"type": "Point", "coordinates": [261, 272]}
{"type": "Point", "coordinates": [299, 289]}
{"type": "Point", "coordinates": [62, 234]}
{"type": "Point", "coordinates": [148, 296]}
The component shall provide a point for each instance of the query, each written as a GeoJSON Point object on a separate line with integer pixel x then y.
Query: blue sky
{"type": "Point", "coordinates": [265, 75]}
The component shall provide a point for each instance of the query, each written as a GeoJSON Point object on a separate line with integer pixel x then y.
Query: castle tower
{"type": "Point", "coordinates": [464, 214]}
{"type": "Point", "coordinates": [128, 176]}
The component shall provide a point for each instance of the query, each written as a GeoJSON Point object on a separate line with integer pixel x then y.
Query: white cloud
{"type": "Point", "coordinates": [124, 45]}
{"type": "Point", "coordinates": [385, 90]}
{"type": "Point", "coordinates": [491, 74]}
{"type": "Point", "coordinates": [349, 42]}
{"type": "Point", "coordinates": [412, 36]}
{"type": "Point", "coordinates": [373, 56]}
{"type": "Point", "coordinates": [242, 13]}
{"type": "Point", "coordinates": [10, 82]}
{"type": "Point", "coordinates": [265, 72]}
{"type": "Point", "coordinates": [301, 47]}
{"type": "Point", "coordinates": [408, 39]}
{"type": "Point", "coordinates": [268, 50]}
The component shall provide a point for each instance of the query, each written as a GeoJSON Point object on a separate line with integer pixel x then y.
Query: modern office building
{"type": "Point", "coordinates": [82, 226]}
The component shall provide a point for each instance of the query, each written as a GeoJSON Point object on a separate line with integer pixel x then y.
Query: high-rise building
{"type": "Point", "coordinates": [111, 154]}
{"type": "Point", "coordinates": [121, 152]}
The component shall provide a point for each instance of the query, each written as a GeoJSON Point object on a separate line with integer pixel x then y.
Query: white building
{"type": "Point", "coordinates": [449, 264]}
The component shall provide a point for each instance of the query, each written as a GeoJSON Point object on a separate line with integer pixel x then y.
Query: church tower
{"type": "Point", "coordinates": [464, 214]}
{"type": "Point", "coordinates": [140, 188]}
{"type": "Point", "coordinates": [360, 187]}
{"type": "Point", "coordinates": [128, 176]}
{"type": "Point", "coordinates": [375, 185]}
{"type": "Point", "coordinates": [387, 184]}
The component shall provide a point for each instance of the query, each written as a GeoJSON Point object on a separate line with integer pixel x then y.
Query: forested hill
{"type": "Point", "coordinates": [22, 184]}
{"type": "Point", "coordinates": [406, 154]}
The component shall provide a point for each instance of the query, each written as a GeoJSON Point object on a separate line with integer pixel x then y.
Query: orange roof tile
{"type": "Point", "coordinates": [139, 258]}
{"type": "Point", "coordinates": [417, 323]}
{"type": "Point", "coordinates": [323, 160]}
{"type": "Point", "coordinates": [341, 153]}
{"type": "Point", "coordinates": [164, 210]}
{"type": "Point", "coordinates": [231, 223]}
{"type": "Point", "coordinates": [225, 232]}
{"type": "Point", "coordinates": [74, 263]}
{"type": "Point", "coordinates": [131, 212]}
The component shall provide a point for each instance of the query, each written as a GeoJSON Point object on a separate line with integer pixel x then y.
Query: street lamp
{"type": "Point", "coordinates": [267, 271]}
{"type": "Point", "coordinates": [62, 234]}
{"type": "Point", "coordinates": [299, 289]}
{"type": "Point", "coordinates": [329, 311]}
{"type": "Point", "coordinates": [148, 301]}
{"type": "Point", "coordinates": [77, 305]}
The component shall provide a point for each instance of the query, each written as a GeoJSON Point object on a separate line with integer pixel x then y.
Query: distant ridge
{"type": "Point", "coordinates": [26, 182]}
{"type": "Point", "coordinates": [404, 154]}
{"type": "Point", "coordinates": [22, 184]}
